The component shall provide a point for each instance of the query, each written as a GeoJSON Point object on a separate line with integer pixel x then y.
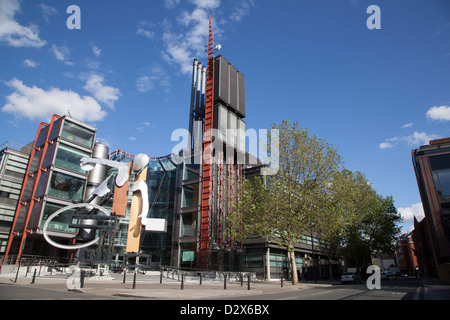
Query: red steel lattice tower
{"type": "Point", "coordinates": [205, 228]}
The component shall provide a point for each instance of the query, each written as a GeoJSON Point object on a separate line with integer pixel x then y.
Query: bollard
{"type": "Point", "coordinates": [34, 276]}
{"type": "Point", "coordinates": [82, 279]}
{"type": "Point", "coordinates": [182, 282]}
{"type": "Point", "coordinates": [160, 277]}
{"type": "Point", "coordinates": [124, 275]}
{"type": "Point", "coordinates": [17, 273]}
{"type": "Point", "coordinates": [224, 282]}
{"type": "Point", "coordinates": [248, 282]}
{"type": "Point", "coordinates": [242, 279]}
{"type": "Point", "coordinates": [200, 279]}
{"type": "Point", "coordinates": [134, 280]}
{"type": "Point", "coordinates": [282, 282]}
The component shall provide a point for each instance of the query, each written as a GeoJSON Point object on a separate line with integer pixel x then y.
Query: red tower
{"type": "Point", "coordinates": [207, 155]}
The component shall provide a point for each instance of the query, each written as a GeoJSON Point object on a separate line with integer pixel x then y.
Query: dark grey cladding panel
{"type": "Point", "coordinates": [229, 86]}
{"type": "Point", "coordinates": [241, 94]}
{"type": "Point", "coordinates": [221, 79]}
{"type": "Point", "coordinates": [233, 88]}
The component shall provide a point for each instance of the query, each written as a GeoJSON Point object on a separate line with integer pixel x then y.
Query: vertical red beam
{"type": "Point", "coordinates": [36, 183]}
{"type": "Point", "coordinates": [205, 232]}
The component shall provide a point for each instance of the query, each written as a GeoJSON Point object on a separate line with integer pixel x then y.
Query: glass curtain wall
{"type": "Point", "coordinates": [161, 181]}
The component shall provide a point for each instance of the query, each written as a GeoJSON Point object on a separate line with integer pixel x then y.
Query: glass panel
{"type": "Point", "coordinates": [188, 254]}
{"type": "Point", "coordinates": [232, 125]}
{"type": "Point", "coordinates": [66, 187]}
{"type": "Point", "coordinates": [77, 134]}
{"type": "Point", "coordinates": [189, 224]}
{"type": "Point", "coordinates": [191, 171]}
{"type": "Point", "coordinates": [19, 159]}
{"type": "Point", "coordinates": [223, 119]}
{"type": "Point", "coordinates": [190, 195]}
{"type": "Point", "coordinates": [69, 158]}
{"type": "Point", "coordinates": [59, 223]}
{"type": "Point", "coordinates": [442, 182]}
{"type": "Point", "coordinates": [241, 136]}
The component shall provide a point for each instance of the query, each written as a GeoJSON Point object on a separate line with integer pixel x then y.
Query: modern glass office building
{"type": "Point", "coordinates": [162, 187]}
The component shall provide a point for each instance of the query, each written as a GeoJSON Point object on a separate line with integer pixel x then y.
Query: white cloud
{"type": "Point", "coordinates": [12, 32]}
{"type": "Point", "coordinates": [207, 4]}
{"type": "Point", "coordinates": [170, 4]}
{"type": "Point", "coordinates": [182, 47]}
{"type": "Point", "coordinates": [407, 125]}
{"type": "Point", "coordinates": [420, 138]}
{"type": "Point", "coordinates": [47, 11]}
{"type": "Point", "coordinates": [145, 124]}
{"type": "Point", "coordinates": [408, 214]}
{"type": "Point", "coordinates": [439, 113]}
{"type": "Point", "coordinates": [241, 10]}
{"type": "Point", "coordinates": [154, 77]}
{"type": "Point", "coordinates": [386, 145]}
{"type": "Point", "coordinates": [36, 104]}
{"type": "Point", "coordinates": [106, 94]}
{"type": "Point", "coordinates": [29, 63]}
{"type": "Point", "coordinates": [96, 50]}
{"type": "Point", "coordinates": [144, 29]}
{"type": "Point", "coordinates": [62, 54]}
{"type": "Point", "coordinates": [414, 140]}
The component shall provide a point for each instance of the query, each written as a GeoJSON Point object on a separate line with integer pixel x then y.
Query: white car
{"type": "Point", "coordinates": [350, 277]}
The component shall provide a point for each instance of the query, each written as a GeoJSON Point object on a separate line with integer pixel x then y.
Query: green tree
{"type": "Point", "coordinates": [283, 208]}
{"type": "Point", "coordinates": [370, 222]}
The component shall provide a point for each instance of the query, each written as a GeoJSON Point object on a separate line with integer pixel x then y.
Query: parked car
{"type": "Point", "coordinates": [350, 277]}
{"type": "Point", "coordinates": [387, 275]}
{"type": "Point", "coordinates": [116, 269]}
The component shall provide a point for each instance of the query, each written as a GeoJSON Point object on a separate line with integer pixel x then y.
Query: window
{"type": "Point", "coordinates": [66, 187]}
{"type": "Point", "coordinates": [59, 223]}
{"type": "Point", "coordinates": [190, 195]}
{"type": "Point", "coordinates": [440, 164]}
{"type": "Point", "coordinates": [69, 158]}
{"type": "Point", "coordinates": [241, 135]}
{"type": "Point", "coordinates": [232, 126]}
{"type": "Point", "coordinates": [77, 134]}
{"type": "Point", "coordinates": [223, 120]}
{"type": "Point", "coordinates": [188, 254]}
{"type": "Point", "coordinates": [189, 224]}
{"type": "Point", "coordinates": [442, 182]}
{"type": "Point", "coordinates": [191, 171]}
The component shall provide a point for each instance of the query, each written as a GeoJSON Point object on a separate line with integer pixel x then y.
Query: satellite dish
{"type": "Point", "coordinates": [218, 47]}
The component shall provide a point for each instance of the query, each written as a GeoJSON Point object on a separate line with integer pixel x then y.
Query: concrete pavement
{"type": "Point", "coordinates": [149, 287]}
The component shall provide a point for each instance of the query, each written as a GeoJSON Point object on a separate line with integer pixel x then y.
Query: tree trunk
{"type": "Point", "coordinates": [294, 266]}
{"type": "Point", "coordinates": [330, 270]}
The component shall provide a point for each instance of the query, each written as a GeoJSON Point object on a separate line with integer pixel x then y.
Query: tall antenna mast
{"type": "Point", "coordinates": [205, 232]}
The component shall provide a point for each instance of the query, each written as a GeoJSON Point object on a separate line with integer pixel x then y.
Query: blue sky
{"type": "Point", "coordinates": [375, 94]}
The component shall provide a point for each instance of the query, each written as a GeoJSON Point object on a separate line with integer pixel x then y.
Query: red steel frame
{"type": "Point", "coordinates": [205, 232]}
{"type": "Point", "coordinates": [33, 200]}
